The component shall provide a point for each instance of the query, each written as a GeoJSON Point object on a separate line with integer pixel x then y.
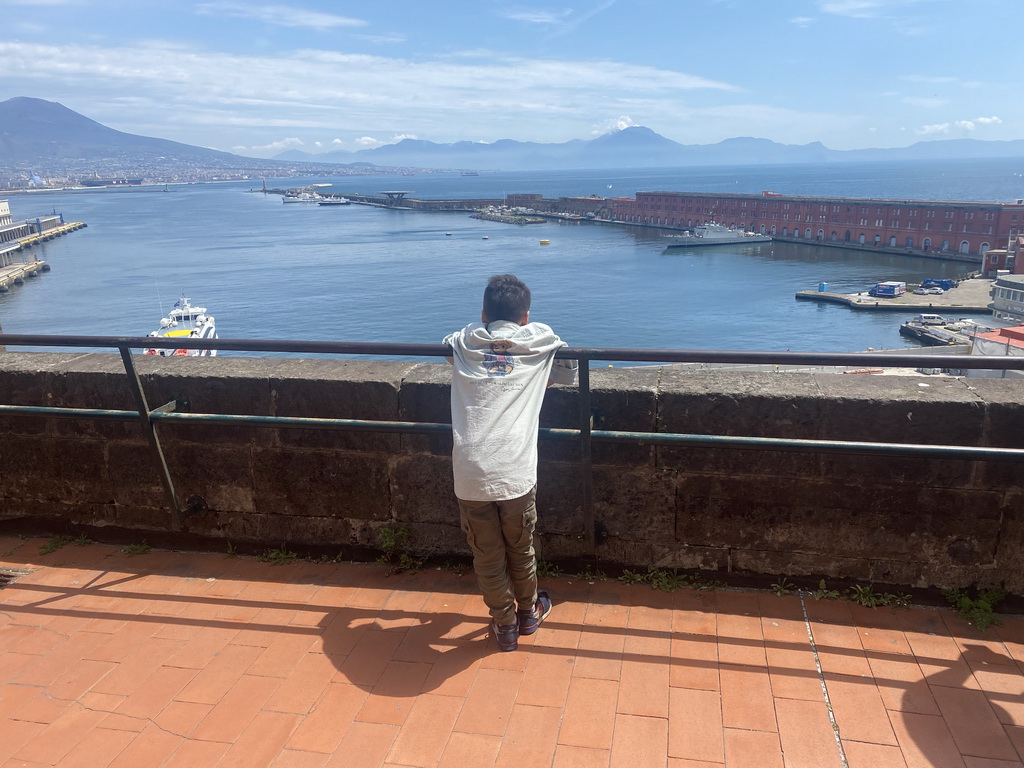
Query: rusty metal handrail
{"type": "Point", "coordinates": [586, 435]}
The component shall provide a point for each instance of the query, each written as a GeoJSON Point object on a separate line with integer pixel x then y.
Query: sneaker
{"type": "Point", "coordinates": [507, 636]}
{"type": "Point", "coordinates": [531, 618]}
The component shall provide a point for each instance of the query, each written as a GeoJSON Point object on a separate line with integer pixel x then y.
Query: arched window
{"type": "Point", "coordinates": [892, 241]}
{"type": "Point", "coordinates": [773, 229]}
{"type": "Point", "coordinates": [926, 243]}
{"type": "Point", "coordinates": [965, 247]}
{"type": "Point", "coordinates": [984, 248]}
{"type": "Point", "coordinates": [846, 237]}
{"type": "Point", "coordinates": [909, 242]}
{"type": "Point", "coordinates": [861, 238]}
{"type": "Point", "coordinates": [945, 245]}
{"type": "Point", "coordinates": [785, 231]}
{"type": "Point", "coordinates": [878, 239]}
{"type": "Point", "coordinates": [807, 232]}
{"type": "Point", "coordinates": [821, 234]}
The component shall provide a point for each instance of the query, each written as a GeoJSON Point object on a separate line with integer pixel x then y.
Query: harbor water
{"type": "Point", "coordinates": [358, 273]}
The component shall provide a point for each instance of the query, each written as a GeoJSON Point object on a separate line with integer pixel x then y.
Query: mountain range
{"type": "Point", "coordinates": [41, 134]}
{"type": "Point", "coordinates": [638, 147]}
{"type": "Point", "coordinates": [44, 136]}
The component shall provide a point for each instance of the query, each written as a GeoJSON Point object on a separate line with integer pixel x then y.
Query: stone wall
{"type": "Point", "coordinates": [905, 521]}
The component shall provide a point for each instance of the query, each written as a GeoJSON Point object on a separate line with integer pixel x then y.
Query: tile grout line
{"type": "Point", "coordinates": [824, 688]}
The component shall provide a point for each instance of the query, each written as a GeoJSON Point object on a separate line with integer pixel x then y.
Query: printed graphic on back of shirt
{"type": "Point", "coordinates": [498, 362]}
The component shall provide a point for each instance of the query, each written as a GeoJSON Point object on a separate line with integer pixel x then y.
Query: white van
{"type": "Point", "coordinates": [931, 320]}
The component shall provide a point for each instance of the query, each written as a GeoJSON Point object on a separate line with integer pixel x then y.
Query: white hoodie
{"type": "Point", "coordinates": [500, 373]}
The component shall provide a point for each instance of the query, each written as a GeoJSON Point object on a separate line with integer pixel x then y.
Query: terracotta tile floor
{"type": "Point", "coordinates": [201, 660]}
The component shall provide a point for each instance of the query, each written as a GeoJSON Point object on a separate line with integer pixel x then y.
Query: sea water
{"type": "Point", "coordinates": [355, 273]}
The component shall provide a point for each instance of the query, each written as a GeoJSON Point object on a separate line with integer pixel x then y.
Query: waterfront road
{"type": "Point", "coordinates": [178, 659]}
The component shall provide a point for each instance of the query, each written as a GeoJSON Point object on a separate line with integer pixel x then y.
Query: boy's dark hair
{"type": "Point", "coordinates": [506, 297]}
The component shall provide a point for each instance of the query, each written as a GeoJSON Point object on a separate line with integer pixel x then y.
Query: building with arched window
{"type": "Point", "coordinates": [953, 228]}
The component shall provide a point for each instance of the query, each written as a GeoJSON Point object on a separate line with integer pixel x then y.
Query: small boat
{"type": "Point", "coordinates": [185, 322]}
{"type": "Point", "coordinates": [334, 201]}
{"type": "Point", "coordinates": [470, 173]}
{"type": "Point", "coordinates": [935, 331]}
{"type": "Point", "coordinates": [302, 197]}
{"type": "Point", "coordinates": [184, 312]}
{"type": "Point", "coordinates": [545, 242]}
{"type": "Point", "coordinates": [714, 234]}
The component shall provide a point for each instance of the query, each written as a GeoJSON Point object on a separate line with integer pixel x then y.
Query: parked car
{"type": "Point", "coordinates": [934, 291]}
{"type": "Point", "coordinates": [921, 291]}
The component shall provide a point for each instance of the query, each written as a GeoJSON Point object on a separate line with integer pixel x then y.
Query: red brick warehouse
{"type": "Point", "coordinates": [960, 227]}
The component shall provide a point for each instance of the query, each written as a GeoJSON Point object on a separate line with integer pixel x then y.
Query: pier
{"type": "Point", "coordinates": [16, 274]}
{"type": "Point", "coordinates": [17, 265]}
{"type": "Point", "coordinates": [970, 297]}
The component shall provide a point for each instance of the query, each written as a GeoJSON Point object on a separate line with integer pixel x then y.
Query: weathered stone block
{"type": "Point", "coordinates": [559, 498]}
{"type": "Point", "coordinates": [624, 400]}
{"type": "Point", "coordinates": [787, 563]}
{"type": "Point", "coordinates": [636, 504]}
{"type": "Point", "coordinates": [425, 397]}
{"type": "Point", "coordinates": [135, 474]}
{"type": "Point", "coordinates": [220, 474]}
{"type": "Point", "coordinates": [897, 409]}
{"type": "Point", "coordinates": [230, 385]}
{"type": "Point", "coordinates": [340, 389]}
{"type": "Point", "coordinates": [55, 469]}
{"type": "Point", "coordinates": [422, 490]}
{"type": "Point", "coordinates": [321, 484]}
{"type": "Point", "coordinates": [787, 406]}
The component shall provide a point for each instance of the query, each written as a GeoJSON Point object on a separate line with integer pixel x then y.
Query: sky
{"type": "Point", "coordinates": [258, 78]}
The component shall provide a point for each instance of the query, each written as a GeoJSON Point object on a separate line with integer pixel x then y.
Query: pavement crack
{"type": "Point", "coordinates": [824, 687]}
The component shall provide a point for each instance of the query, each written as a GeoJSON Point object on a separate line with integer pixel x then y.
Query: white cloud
{"type": "Point", "coordinates": [801, 21]}
{"type": "Point", "coordinates": [337, 142]}
{"type": "Point", "coordinates": [613, 124]}
{"type": "Point", "coordinates": [368, 142]}
{"type": "Point", "coordinates": [957, 126]}
{"type": "Point", "coordinates": [558, 22]}
{"type": "Point", "coordinates": [383, 39]}
{"type": "Point", "coordinates": [873, 9]}
{"type": "Point", "coordinates": [278, 15]}
{"type": "Point", "coordinates": [537, 16]}
{"type": "Point", "coordinates": [201, 97]}
{"type": "Point", "coordinates": [269, 149]}
{"type": "Point", "coordinates": [857, 9]}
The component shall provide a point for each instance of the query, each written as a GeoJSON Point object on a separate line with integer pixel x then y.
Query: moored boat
{"type": "Point", "coordinates": [334, 201]}
{"type": "Point", "coordinates": [936, 331]}
{"type": "Point", "coordinates": [714, 234]}
{"type": "Point", "coordinates": [184, 322]}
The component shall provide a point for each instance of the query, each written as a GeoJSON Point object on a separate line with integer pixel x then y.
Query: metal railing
{"type": "Point", "coordinates": [169, 414]}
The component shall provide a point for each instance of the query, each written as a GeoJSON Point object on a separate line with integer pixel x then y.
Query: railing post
{"type": "Point", "coordinates": [150, 429]}
{"type": "Point", "coordinates": [586, 464]}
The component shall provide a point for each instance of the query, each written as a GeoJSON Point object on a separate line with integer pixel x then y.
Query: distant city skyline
{"type": "Point", "coordinates": [259, 79]}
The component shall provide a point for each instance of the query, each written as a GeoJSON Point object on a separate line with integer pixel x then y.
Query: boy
{"type": "Point", "coordinates": [501, 367]}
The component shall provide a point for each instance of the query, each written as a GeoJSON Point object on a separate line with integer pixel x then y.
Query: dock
{"type": "Point", "coordinates": [971, 297]}
{"type": "Point", "coordinates": [17, 274]}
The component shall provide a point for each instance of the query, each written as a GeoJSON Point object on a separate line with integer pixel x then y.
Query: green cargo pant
{"type": "Point", "coordinates": [500, 533]}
